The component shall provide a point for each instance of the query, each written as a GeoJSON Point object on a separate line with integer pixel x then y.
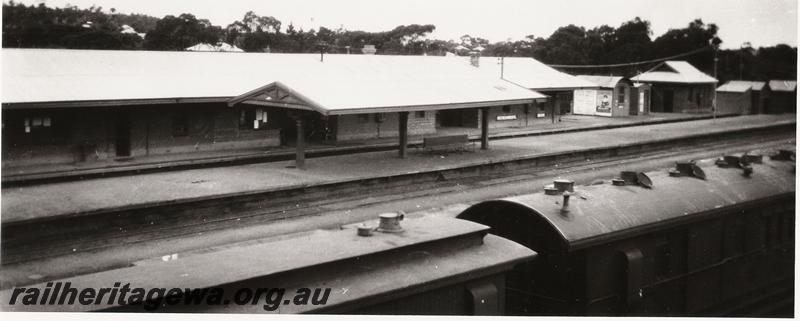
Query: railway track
{"type": "Point", "coordinates": [44, 240]}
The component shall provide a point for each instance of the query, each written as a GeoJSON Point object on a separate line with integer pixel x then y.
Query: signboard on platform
{"type": "Point", "coordinates": [507, 117]}
{"type": "Point", "coordinates": [604, 100]}
{"type": "Point", "coordinates": [584, 101]}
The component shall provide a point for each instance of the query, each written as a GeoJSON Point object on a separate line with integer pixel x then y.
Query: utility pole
{"type": "Point", "coordinates": [502, 66]}
{"type": "Point", "coordinates": [714, 42]}
{"type": "Point", "coordinates": [714, 100]}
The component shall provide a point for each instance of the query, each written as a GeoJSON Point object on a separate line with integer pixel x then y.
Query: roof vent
{"type": "Point", "coordinates": [744, 162]}
{"type": "Point", "coordinates": [633, 178]}
{"type": "Point", "coordinates": [687, 168]}
{"type": "Point", "coordinates": [565, 204]}
{"type": "Point", "coordinates": [784, 154]}
{"type": "Point", "coordinates": [564, 185]}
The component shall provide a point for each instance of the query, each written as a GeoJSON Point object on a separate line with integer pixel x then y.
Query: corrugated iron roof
{"type": "Point", "coordinates": [675, 72]}
{"type": "Point", "coordinates": [783, 85]}
{"type": "Point", "coordinates": [741, 86]}
{"type": "Point", "coordinates": [532, 74]}
{"type": "Point", "coordinates": [341, 82]}
{"type": "Point", "coordinates": [603, 81]}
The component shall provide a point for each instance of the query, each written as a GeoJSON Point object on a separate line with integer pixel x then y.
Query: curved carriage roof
{"type": "Point", "coordinates": [598, 213]}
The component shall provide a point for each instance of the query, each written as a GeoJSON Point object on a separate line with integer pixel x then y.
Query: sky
{"type": "Point", "coordinates": [760, 22]}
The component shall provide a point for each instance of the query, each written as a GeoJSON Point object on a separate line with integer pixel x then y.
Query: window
{"type": "Point", "coordinates": [380, 117]}
{"type": "Point", "coordinates": [42, 128]}
{"type": "Point", "coordinates": [180, 125]}
{"type": "Point", "coordinates": [419, 114]}
{"type": "Point", "coordinates": [254, 119]}
{"type": "Point", "coordinates": [363, 118]}
{"type": "Point", "coordinates": [506, 109]}
{"type": "Point", "coordinates": [621, 96]}
{"type": "Point", "coordinates": [691, 93]}
{"type": "Point", "coordinates": [38, 123]}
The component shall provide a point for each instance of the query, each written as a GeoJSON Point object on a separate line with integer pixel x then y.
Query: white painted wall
{"type": "Point", "coordinates": [584, 102]}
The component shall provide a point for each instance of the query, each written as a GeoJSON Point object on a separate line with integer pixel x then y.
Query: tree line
{"type": "Point", "coordinates": [93, 28]}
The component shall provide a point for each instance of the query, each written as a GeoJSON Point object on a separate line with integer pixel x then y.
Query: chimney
{"type": "Point", "coordinates": [475, 59]}
{"type": "Point", "coordinates": [369, 49]}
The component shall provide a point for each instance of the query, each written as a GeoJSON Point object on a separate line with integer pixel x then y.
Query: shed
{"type": "Point", "coordinates": [611, 99]}
{"type": "Point", "coordinates": [679, 87]}
{"type": "Point", "coordinates": [783, 98]}
{"type": "Point", "coordinates": [740, 97]}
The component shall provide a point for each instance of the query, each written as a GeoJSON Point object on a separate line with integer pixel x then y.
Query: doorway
{"type": "Point", "coordinates": [668, 100]}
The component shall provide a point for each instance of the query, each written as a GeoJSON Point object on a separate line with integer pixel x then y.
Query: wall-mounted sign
{"type": "Point", "coordinates": [540, 115]}
{"type": "Point", "coordinates": [507, 117]}
{"type": "Point", "coordinates": [604, 102]}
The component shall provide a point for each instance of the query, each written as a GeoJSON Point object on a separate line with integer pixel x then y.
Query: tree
{"type": "Point", "coordinates": [566, 46]}
{"type": "Point", "coordinates": [178, 33]}
{"type": "Point", "coordinates": [696, 36]}
{"type": "Point", "coordinates": [253, 33]}
{"type": "Point", "coordinates": [630, 42]}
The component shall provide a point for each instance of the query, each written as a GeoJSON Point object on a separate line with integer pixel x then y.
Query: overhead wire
{"type": "Point", "coordinates": [637, 62]}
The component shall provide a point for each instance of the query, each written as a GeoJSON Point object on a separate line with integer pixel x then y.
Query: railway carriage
{"type": "Point", "coordinates": [718, 246]}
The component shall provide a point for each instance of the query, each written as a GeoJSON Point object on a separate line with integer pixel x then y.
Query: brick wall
{"type": "Point", "coordinates": [367, 126]}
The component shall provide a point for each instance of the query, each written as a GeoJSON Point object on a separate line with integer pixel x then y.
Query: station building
{"type": "Point", "coordinates": [678, 87]}
{"type": "Point", "coordinates": [74, 106]}
{"type": "Point", "coordinates": [527, 72]}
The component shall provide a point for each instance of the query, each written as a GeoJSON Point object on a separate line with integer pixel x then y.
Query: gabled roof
{"type": "Point", "coordinates": [783, 85]}
{"type": "Point", "coordinates": [741, 86]}
{"type": "Point", "coordinates": [675, 72]}
{"type": "Point", "coordinates": [531, 74]}
{"type": "Point", "coordinates": [340, 84]}
{"type": "Point", "coordinates": [604, 81]}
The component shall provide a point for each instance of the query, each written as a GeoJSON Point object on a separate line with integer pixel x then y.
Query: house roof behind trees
{"type": "Point", "coordinates": [675, 72]}
{"type": "Point", "coordinates": [340, 84]}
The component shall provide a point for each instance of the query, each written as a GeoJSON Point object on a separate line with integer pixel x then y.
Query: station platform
{"type": "Point", "coordinates": [21, 173]}
{"type": "Point", "coordinates": [66, 199]}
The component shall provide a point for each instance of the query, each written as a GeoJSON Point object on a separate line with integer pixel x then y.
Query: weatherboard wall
{"type": "Point", "coordinates": [79, 135]}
